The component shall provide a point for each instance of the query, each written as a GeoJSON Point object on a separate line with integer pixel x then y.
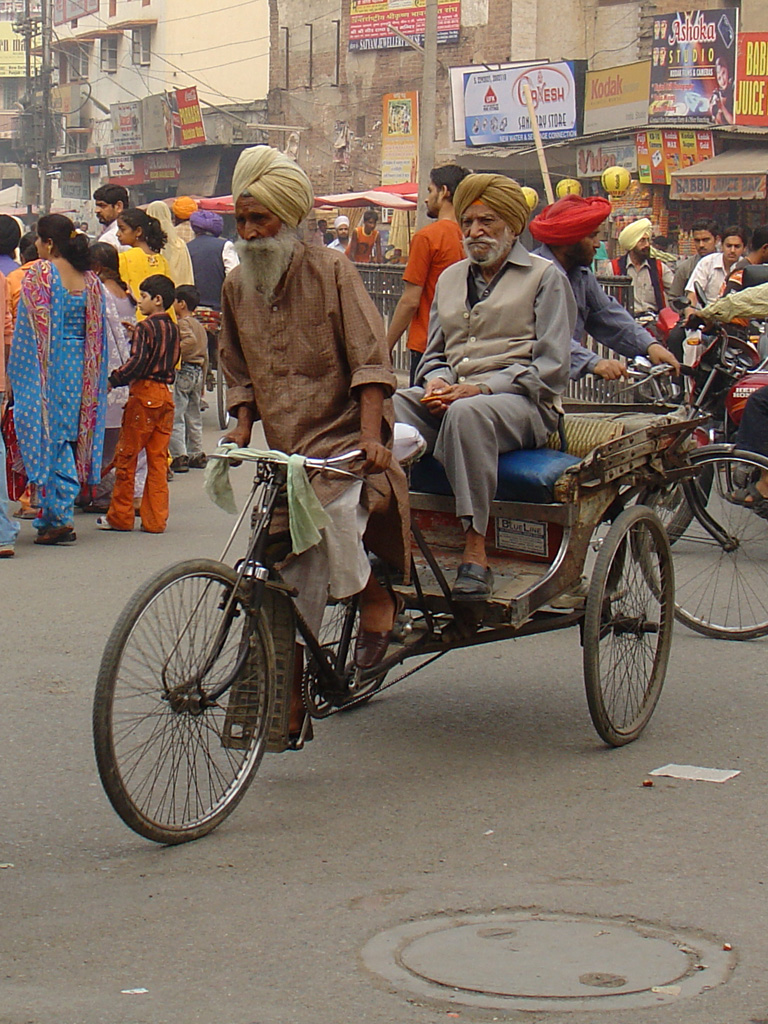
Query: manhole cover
{"type": "Point", "coordinates": [531, 960]}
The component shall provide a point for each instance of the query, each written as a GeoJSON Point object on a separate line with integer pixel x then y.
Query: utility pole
{"type": "Point", "coordinates": [428, 118]}
{"type": "Point", "coordinates": [48, 141]}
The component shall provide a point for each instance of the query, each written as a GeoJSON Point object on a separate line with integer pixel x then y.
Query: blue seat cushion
{"type": "Point", "coordinates": [523, 475]}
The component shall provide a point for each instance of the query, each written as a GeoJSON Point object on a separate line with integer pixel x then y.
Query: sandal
{"type": "Point", "coordinates": [749, 497]}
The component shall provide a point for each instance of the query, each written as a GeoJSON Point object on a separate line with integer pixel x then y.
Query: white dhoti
{"type": "Point", "coordinates": [338, 566]}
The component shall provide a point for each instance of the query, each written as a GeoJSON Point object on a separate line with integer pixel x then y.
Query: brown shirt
{"type": "Point", "coordinates": [298, 363]}
{"type": "Point", "coordinates": [194, 341]}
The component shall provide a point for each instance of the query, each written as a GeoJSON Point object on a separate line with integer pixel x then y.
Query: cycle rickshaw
{"type": "Point", "coordinates": [195, 681]}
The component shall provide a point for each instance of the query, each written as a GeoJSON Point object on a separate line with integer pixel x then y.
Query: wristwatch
{"type": "Point", "coordinates": [484, 389]}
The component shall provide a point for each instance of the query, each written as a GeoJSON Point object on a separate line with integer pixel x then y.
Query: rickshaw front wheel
{"type": "Point", "coordinates": [628, 622]}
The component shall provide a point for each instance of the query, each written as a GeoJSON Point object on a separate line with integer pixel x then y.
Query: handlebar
{"type": "Point", "coordinates": [334, 463]}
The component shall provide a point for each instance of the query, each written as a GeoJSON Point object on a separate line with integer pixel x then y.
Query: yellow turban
{"type": "Point", "coordinates": [633, 232]}
{"type": "Point", "coordinates": [503, 195]}
{"type": "Point", "coordinates": [275, 181]}
{"type": "Point", "coordinates": [184, 207]}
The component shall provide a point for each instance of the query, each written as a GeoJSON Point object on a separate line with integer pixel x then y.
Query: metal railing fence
{"type": "Point", "coordinates": [384, 284]}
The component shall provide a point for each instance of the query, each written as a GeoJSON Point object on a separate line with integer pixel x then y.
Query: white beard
{"type": "Point", "coordinates": [491, 251]}
{"type": "Point", "coordinates": [263, 261]}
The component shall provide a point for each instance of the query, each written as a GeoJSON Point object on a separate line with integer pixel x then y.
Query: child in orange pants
{"type": "Point", "coordinates": [148, 414]}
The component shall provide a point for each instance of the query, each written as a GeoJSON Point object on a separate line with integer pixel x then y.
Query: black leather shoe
{"type": "Point", "coordinates": [473, 583]}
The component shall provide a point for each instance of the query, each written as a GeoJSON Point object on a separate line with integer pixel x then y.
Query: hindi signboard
{"type": "Point", "coordinates": [693, 67]}
{"type": "Point", "coordinates": [495, 110]}
{"type": "Point", "coordinates": [752, 80]}
{"type": "Point", "coordinates": [616, 97]}
{"type": "Point", "coordinates": [371, 23]}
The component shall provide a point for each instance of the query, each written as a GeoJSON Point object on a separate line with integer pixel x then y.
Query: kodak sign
{"type": "Point", "coordinates": [751, 101]}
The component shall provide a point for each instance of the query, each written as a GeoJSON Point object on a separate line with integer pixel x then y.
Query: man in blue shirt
{"type": "Point", "coordinates": [570, 232]}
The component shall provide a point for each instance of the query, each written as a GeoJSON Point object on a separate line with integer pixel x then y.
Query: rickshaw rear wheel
{"type": "Point", "coordinates": [628, 621]}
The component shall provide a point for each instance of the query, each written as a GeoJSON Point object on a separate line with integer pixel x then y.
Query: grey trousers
{"type": "Point", "coordinates": [469, 438]}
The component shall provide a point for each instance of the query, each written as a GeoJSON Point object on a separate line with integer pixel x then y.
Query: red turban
{"type": "Point", "coordinates": [569, 220]}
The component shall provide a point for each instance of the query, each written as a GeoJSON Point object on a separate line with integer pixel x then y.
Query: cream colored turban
{"type": "Point", "coordinates": [503, 195]}
{"type": "Point", "coordinates": [633, 232]}
{"type": "Point", "coordinates": [274, 180]}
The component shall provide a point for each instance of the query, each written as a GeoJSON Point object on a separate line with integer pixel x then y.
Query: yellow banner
{"type": "Point", "coordinates": [12, 61]}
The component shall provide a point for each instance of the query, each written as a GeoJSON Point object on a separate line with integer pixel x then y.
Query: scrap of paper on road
{"type": "Point", "coordinates": [694, 773]}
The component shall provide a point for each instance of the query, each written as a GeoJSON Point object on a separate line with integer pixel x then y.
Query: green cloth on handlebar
{"type": "Point", "coordinates": [306, 516]}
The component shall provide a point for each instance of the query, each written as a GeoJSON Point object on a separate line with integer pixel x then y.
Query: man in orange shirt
{"type": "Point", "coordinates": [433, 248]}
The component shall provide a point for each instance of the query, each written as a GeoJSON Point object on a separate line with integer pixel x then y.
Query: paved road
{"type": "Point", "coordinates": [382, 819]}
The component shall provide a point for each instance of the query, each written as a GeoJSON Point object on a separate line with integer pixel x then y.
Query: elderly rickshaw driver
{"type": "Point", "coordinates": [496, 363]}
{"type": "Point", "coordinates": [303, 349]}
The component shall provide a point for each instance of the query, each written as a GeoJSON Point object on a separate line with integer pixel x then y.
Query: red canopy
{"type": "Point", "coordinates": [396, 197]}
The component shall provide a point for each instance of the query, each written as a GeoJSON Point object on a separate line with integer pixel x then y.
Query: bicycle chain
{"type": "Point", "coordinates": [386, 686]}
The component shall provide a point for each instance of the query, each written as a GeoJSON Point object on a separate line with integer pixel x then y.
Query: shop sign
{"type": "Point", "coordinates": [371, 23]}
{"type": "Point", "coordinates": [752, 79]}
{"type": "Point", "coordinates": [191, 127]}
{"type": "Point", "coordinates": [400, 138]}
{"type": "Point", "coordinates": [661, 152]}
{"type": "Point", "coordinates": [162, 166]}
{"type": "Point", "coordinates": [126, 127]}
{"type": "Point", "coordinates": [693, 67]}
{"type": "Point", "coordinates": [616, 97]}
{"type": "Point", "coordinates": [157, 122]}
{"type": "Point", "coordinates": [495, 110]}
{"type": "Point", "coordinates": [15, 10]}
{"type": "Point", "coordinates": [719, 186]}
{"type": "Point", "coordinates": [75, 181]}
{"type": "Point", "coordinates": [70, 10]}
{"type": "Point", "coordinates": [12, 58]}
{"type": "Point", "coordinates": [126, 170]}
{"type": "Point", "coordinates": [592, 160]}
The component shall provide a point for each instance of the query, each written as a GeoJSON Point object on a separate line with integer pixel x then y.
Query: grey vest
{"type": "Point", "coordinates": [499, 331]}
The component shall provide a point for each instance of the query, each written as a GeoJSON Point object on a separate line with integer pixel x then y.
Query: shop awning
{"type": "Point", "coordinates": [737, 174]}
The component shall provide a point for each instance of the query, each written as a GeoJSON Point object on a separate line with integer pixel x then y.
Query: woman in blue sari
{"type": "Point", "coordinates": [58, 371]}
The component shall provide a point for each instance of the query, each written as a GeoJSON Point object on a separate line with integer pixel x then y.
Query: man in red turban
{"type": "Point", "coordinates": [570, 232]}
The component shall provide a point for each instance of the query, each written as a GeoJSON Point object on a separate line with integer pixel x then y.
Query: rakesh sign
{"type": "Point", "coordinates": [495, 110]}
{"type": "Point", "coordinates": [616, 97]}
{"type": "Point", "coordinates": [752, 80]}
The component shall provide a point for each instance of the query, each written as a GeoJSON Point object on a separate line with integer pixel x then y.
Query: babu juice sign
{"type": "Point", "coordinates": [495, 108]}
{"type": "Point", "coordinates": [752, 80]}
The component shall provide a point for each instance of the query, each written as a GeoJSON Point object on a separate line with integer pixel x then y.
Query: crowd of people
{"type": "Point", "coordinates": [104, 361]}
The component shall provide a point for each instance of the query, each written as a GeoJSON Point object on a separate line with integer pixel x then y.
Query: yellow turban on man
{"type": "Point", "coordinates": [503, 195]}
{"type": "Point", "coordinates": [274, 180]}
{"type": "Point", "coordinates": [633, 232]}
{"type": "Point", "coordinates": [183, 207]}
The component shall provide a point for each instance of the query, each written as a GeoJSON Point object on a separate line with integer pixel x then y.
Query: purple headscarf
{"type": "Point", "coordinates": [206, 222]}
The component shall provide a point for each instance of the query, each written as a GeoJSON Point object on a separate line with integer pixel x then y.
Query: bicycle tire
{"type": "Point", "coordinates": [172, 767]}
{"type": "Point", "coordinates": [628, 623]}
{"type": "Point", "coordinates": [721, 593]}
{"type": "Point", "coordinates": [221, 400]}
